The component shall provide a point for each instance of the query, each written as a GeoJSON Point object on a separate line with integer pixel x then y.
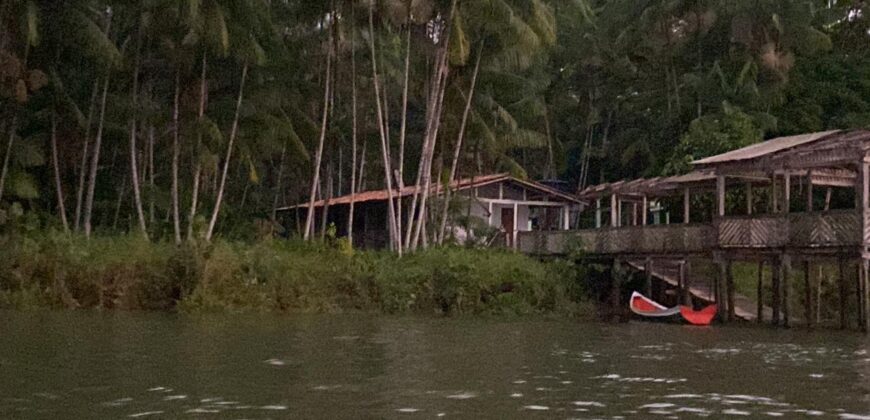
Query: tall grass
{"type": "Point", "coordinates": [128, 273]}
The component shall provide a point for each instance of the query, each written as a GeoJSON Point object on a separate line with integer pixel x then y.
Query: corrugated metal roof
{"type": "Point", "coordinates": [460, 184]}
{"type": "Point", "coordinates": [764, 148]}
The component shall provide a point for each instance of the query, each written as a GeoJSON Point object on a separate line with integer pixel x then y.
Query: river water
{"type": "Point", "coordinates": [86, 365]}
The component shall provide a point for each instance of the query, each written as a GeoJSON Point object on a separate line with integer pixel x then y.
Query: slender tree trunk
{"type": "Point", "coordinates": [95, 161]}
{"type": "Point", "coordinates": [361, 178]}
{"type": "Point", "coordinates": [353, 136]}
{"type": "Point", "coordinates": [278, 187]}
{"type": "Point", "coordinates": [58, 185]}
{"type": "Point", "coordinates": [318, 155]}
{"type": "Point", "coordinates": [151, 173]}
{"type": "Point", "coordinates": [134, 166]}
{"type": "Point", "coordinates": [397, 244]}
{"type": "Point", "coordinates": [7, 157]}
{"type": "Point", "coordinates": [233, 132]}
{"type": "Point", "coordinates": [197, 164]}
{"type": "Point", "coordinates": [400, 176]}
{"type": "Point", "coordinates": [458, 148]}
{"type": "Point", "coordinates": [176, 152]}
{"type": "Point", "coordinates": [83, 168]}
{"type": "Point", "coordinates": [433, 140]}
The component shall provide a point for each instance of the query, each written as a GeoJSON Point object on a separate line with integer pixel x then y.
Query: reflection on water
{"type": "Point", "coordinates": [76, 365]}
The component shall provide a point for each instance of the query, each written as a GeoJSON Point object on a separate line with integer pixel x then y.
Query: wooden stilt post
{"type": "Point", "coordinates": [615, 289]}
{"type": "Point", "coordinates": [786, 193]}
{"type": "Point", "coordinates": [687, 199]}
{"type": "Point", "coordinates": [859, 294]}
{"type": "Point", "coordinates": [681, 282]}
{"type": "Point", "coordinates": [598, 213]}
{"type": "Point", "coordinates": [841, 268]}
{"type": "Point", "coordinates": [729, 287]}
{"type": "Point", "coordinates": [865, 288]}
{"type": "Point", "coordinates": [776, 273]}
{"type": "Point", "coordinates": [614, 211]}
{"type": "Point", "coordinates": [686, 298]}
{"type": "Point", "coordinates": [648, 267]}
{"type": "Point", "coordinates": [645, 211]}
{"type": "Point", "coordinates": [720, 195]}
{"type": "Point", "coordinates": [721, 280]}
{"type": "Point", "coordinates": [759, 293]}
{"type": "Point", "coordinates": [786, 290]}
{"type": "Point", "coordinates": [808, 294]}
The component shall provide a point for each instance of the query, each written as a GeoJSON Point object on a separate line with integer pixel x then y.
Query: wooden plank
{"type": "Point", "coordinates": [841, 268]}
{"type": "Point", "coordinates": [730, 289]}
{"type": "Point", "coordinates": [786, 291]}
{"type": "Point", "coordinates": [776, 270]}
{"type": "Point", "coordinates": [808, 295]}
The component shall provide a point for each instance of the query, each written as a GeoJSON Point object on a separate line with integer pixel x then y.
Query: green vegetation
{"type": "Point", "coordinates": [130, 273]}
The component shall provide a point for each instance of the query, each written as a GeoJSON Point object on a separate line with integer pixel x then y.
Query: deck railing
{"type": "Point", "coordinates": [651, 239]}
{"type": "Point", "coordinates": [838, 228]}
{"type": "Point", "coordinates": [802, 230]}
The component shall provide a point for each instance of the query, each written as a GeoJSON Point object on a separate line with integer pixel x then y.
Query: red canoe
{"type": "Point", "coordinates": [645, 306]}
{"type": "Point", "coordinates": [703, 317]}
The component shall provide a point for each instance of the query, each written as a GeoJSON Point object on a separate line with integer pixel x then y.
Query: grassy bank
{"type": "Point", "coordinates": [128, 273]}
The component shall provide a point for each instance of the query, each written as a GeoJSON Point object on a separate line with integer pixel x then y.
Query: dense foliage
{"type": "Point", "coordinates": [186, 119]}
{"type": "Point", "coordinates": [129, 273]}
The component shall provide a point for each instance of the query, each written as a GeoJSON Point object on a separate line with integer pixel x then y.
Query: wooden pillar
{"type": "Point", "coordinates": [615, 279]}
{"type": "Point", "coordinates": [718, 285]}
{"type": "Point", "coordinates": [776, 273]}
{"type": "Point", "coordinates": [489, 217]}
{"type": "Point", "coordinates": [686, 204]}
{"type": "Point", "coordinates": [774, 194]}
{"type": "Point", "coordinates": [566, 218]}
{"type": "Point", "coordinates": [828, 193]}
{"type": "Point", "coordinates": [786, 193]}
{"type": "Point", "coordinates": [516, 228]}
{"type": "Point", "coordinates": [729, 287]}
{"type": "Point", "coordinates": [634, 213]}
{"type": "Point", "coordinates": [686, 298]}
{"type": "Point", "coordinates": [759, 293]}
{"type": "Point", "coordinates": [648, 268]}
{"type": "Point", "coordinates": [865, 304]}
{"type": "Point", "coordinates": [809, 191]}
{"type": "Point", "coordinates": [598, 214]}
{"type": "Point", "coordinates": [720, 195]}
{"type": "Point", "coordinates": [808, 294]}
{"type": "Point", "coordinates": [859, 294]}
{"type": "Point", "coordinates": [749, 198]}
{"type": "Point", "coordinates": [681, 282]}
{"type": "Point", "coordinates": [786, 290]}
{"type": "Point", "coordinates": [614, 211]}
{"type": "Point", "coordinates": [645, 209]}
{"type": "Point", "coordinates": [841, 271]}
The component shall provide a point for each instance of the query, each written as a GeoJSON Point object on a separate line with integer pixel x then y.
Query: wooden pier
{"type": "Point", "coordinates": [786, 203]}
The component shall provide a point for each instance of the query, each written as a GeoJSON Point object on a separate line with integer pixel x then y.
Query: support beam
{"type": "Point", "coordinates": [776, 288]}
{"type": "Point", "coordinates": [841, 271]}
{"type": "Point", "coordinates": [615, 287]}
{"type": "Point", "coordinates": [859, 294]}
{"type": "Point", "coordinates": [614, 211]}
{"type": "Point", "coordinates": [720, 195]}
{"type": "Point", "coordinates": [516, 227]}
{"type": "Point", "coordinates": [786, 193]}
{"type": "Point", "coordinates": [718, 286]}
{"type": "Point", "coordinates": [566, 218]}
{"type": "Point", "coordinates": [865, 305]}
{"type": "Point", "coordinates": [489, 217]}
{"type": "Point", "coordinates": [686, 298]}
{"type": "Point", "coordinates": [749, 198]}
{"type": "Point", "coordinates": [598, 214]}
{"type": "Point", "coordinates": [687, 199]}
{"type": "Point", "coordinates": [808, 293]}
{"type": "Point", "coordinates": [759, 293]}
{"type": "Point", "coordinates": [809, 191]}
{"type": "Point", "coordinates": [634, 214]}
{"type": "Point", "coordinates": [648, 268]}
{"type": "Point", "coordinates": [729, 287]}
{"type": "Point", "coordinates": [786, 290]}
{"type": "Point", "coordinates": [645, 209]}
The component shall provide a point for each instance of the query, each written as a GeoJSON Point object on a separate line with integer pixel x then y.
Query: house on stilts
{"type": "Point", "coordinates": [785, 203]}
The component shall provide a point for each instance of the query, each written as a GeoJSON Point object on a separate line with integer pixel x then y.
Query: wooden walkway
{"type": "Point", "coordinates": [668, 271]}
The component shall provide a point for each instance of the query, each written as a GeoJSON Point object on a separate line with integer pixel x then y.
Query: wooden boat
{"type": "Point", "coordinates": [703, 317]}
{"type": "Point", "coordinates": [647, 307]}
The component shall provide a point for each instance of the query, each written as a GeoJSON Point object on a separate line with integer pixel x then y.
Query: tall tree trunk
{"type": "Point", "coordinates": [278, 187]}
{"type": "Point", "coordinates": [361, 178]}
{"type": "Point", "coordinates": [7, 157]}
{"type": "Point", "coordinates": [318, 154]}
{"type": "Point", "coordinates": [83, 168]}
{"type": "Point", "coordinates": [197, 164]}
{"type": "Point", "coordinates": [176, 152]}
{"type": "Point", "coordinates": [95, 161]}
{"type": "Point", "coordinates": [400, 176]}
{"type": "Point", "coordinates": [388, 175]}
{"type": "Point", "coordinates": [458, 148]}
{"type": "Point", "coordinates": [58, 185]}
{"type": "Point", "coordinates": [233, 132]}
{"type": "Point", "coordinates": [353, 135]}
{"type": "Point", "coordinates": [151, 173]}
{"type": "Point", "coordinates": [134, 166]}
{"type": "Point", "coordinates": [433, 140]}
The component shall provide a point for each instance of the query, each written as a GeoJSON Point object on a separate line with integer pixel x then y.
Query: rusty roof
{"type": "Point", "coordinates": [765, 148]}
{"type": "Point", "coordinates": [460, 184]}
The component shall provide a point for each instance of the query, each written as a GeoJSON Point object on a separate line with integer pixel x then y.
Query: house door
{"type": "Point", "coordinates": [507, 223]}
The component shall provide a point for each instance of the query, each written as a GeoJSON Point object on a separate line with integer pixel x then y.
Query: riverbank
{"type": "Point", "coordinates": [128, 273]}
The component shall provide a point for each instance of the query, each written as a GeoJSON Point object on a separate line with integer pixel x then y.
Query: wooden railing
{"type": "Point", "coordinates": [837, 228]}
{"type": "Point", "coordinates": [652, 239]}
{"type": "Point", "coordinates": [801, 230]}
